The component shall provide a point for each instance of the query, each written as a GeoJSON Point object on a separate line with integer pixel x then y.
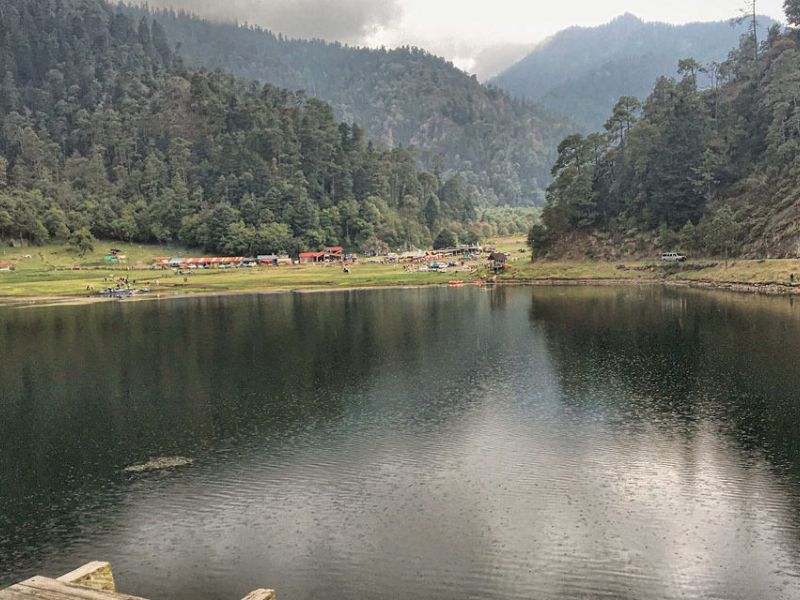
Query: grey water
{"type": "Point", "coordinates": [638, 443]}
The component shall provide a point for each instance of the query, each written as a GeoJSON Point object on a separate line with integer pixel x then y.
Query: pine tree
{"type": "Point", "coordinates": [792, 10]}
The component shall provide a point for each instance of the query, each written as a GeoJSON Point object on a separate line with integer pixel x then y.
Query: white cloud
{"type": "Point", "coordinates": [476, 35]}
{"type": "Point", "coordinates": [341, 20]}
{"type": "Point", "coordinates": [463, 30]}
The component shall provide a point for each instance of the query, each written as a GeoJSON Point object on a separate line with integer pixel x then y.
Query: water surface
{"type": "Point", "coordinates": [437, 443]}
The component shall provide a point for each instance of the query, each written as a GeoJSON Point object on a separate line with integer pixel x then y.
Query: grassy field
{"type": "Point", "coordinates": [53, 272]}
{"type": "Point", "coordinates": [761, 272]}
{"type": "Point", "coordinates": [749, 271]}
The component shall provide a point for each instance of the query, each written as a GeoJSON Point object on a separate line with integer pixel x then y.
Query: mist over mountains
{"type": "Point", "coordinates": [582, 72]}
{"type": "Point", "coordinates": [348, 21]}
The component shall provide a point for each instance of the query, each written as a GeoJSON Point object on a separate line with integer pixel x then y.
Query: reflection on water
{"type": "Point", "coordinates": [513, 443]}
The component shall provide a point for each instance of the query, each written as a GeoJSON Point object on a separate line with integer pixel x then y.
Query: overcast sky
{"type": "Point", "coordinates": [476, 34]}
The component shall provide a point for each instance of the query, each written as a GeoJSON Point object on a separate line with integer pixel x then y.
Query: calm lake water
{"type": "Point", "coordinates": [438, 443]}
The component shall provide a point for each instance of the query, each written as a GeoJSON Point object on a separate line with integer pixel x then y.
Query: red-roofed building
{"type": "Point", "coordinates": [311, 257]}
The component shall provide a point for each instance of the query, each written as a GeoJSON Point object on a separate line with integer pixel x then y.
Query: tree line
{"type": "Point", "coordinates": [405, 96]}
{"type": "Point", "coordinates": [108, 133]}
{"type": "Point", "coordinates": [711, 171]}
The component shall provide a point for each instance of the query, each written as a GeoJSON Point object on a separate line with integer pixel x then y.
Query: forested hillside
{"type": "Point", "coordinates": [713, 171]}
{"type": "Point", "coordinates": [582, 71]}
{"type": "Point", "coordinates": [404, 97]}
{"type": "Point", "coordinates": [105, 132]}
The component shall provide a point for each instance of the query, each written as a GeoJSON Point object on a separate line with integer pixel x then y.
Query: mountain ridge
{"type": "Point", "coordinates": [405, 96]}
{"type": "Point", "coordinates": [583, 71]}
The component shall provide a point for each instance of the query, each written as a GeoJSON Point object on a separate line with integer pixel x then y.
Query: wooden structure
{"type": "Point", "coordinates": [499, 261]}
{"type": "Point", "coordinates": [311, 257]}
{"type": "Point", "coordinates": [321, 257]}
{"type": "Point", "coordinates": [459, 251]}
{"type": "Point", "coordinates": [206, 262]}
{"type": "Point", "coordinates": [93, 581]}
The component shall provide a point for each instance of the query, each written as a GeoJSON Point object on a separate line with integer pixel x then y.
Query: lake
{"type": "Point", "coordinates": [511, 443]}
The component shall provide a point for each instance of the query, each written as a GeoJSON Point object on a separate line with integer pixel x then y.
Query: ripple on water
{"type": "Point", "coordinates": [430, 444]}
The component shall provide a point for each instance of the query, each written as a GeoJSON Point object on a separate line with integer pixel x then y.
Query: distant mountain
{"type": "Point", "coordinates": [404, 97]}
{"type": "Point", "coordinates": [582, 72]}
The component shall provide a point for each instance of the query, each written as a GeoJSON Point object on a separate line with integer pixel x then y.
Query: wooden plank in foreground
{"type": "Point", "coordinates": [260, 595]}
{"type": "Point", "coordinates": [43, 588]}
{"type": "Point", "coordinates": [92, 581]}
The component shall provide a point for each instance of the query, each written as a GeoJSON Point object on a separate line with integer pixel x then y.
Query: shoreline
{"type": "Point", "coordinates": [55, 301]}
{"type": "Point", "coordinates": [764, 289]}
{"type": "Point", "coordinates": [57, 277]}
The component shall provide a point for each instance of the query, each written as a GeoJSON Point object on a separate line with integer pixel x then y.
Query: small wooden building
{"type": "Point", "coordinates": [329, 255]}
{"type": "Point", "coordinates": [268, 259]}
{"type": "Point", "coordinates": [311, 257]}
{"type": "Point", "coordinates": [499, 257]}
{"type": "Point", "coordinates": [499, 260]}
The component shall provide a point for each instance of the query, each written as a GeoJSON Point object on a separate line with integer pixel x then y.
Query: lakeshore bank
{"type": "Point", "coordinates": [769, 276]}
{"type": "Point", "coordinates": [769, 289]}
{"type": "Point", "coordinates": [36, 287]}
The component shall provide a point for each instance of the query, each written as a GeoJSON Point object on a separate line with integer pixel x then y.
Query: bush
{"type": "Point", "coordinates": [81, 241]}
{"type": "Point", "coordinates": [539, 240]}
{"type": "Point", "coordinates": [445, 239]}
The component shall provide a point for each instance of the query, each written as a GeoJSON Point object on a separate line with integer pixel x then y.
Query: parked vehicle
{"type": "Point", "coordinates": [673, 257]}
